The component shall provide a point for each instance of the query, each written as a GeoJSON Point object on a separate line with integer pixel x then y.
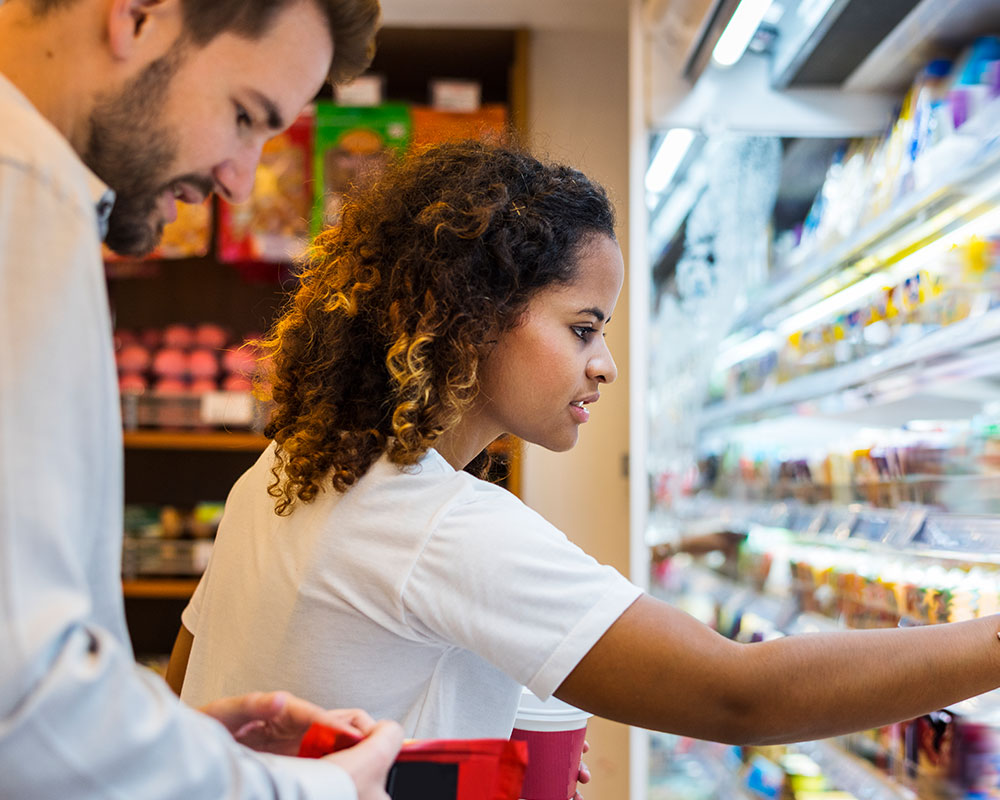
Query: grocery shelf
{"type": "Point", "coordinates": [978, 180]}
{"type": "Point", "coordinates": [236, 440]}
{"type": "Point", "coordinates": [949, 341]}
{"type": "Point", "coordinates": [241, 441]}
{"type": "Point", "coordinates": [159, 588]}
{"type": "Point", "coordinates": [853, 774]}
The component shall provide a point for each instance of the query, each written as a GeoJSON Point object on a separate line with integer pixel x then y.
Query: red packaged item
{"type": "Point", "coordinates": [439, 769]}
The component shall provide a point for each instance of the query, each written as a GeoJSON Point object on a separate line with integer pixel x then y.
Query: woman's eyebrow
{"type": "Point", "coordinates": [596, 312]}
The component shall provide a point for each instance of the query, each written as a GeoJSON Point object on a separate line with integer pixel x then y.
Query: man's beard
{"type": "Point", "coordinates": [129, 150]}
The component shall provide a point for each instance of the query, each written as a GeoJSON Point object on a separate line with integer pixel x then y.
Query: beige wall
{"type": "Point", "coordinates": [578, 113]}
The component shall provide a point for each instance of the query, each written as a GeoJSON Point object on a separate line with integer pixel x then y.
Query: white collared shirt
{"type": "Point", "coordinates": [78, 718]}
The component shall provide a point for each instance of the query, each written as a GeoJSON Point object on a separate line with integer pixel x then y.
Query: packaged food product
{"type": "Point", "coordinates": [432, 125]}
{"type": "Point", "coordinates": [352, 146]}
{"type": "Point", "coordinates": [273, 225]}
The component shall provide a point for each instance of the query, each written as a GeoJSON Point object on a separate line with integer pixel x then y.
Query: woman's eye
{"type": "Point", "coordinates": [583, 332]}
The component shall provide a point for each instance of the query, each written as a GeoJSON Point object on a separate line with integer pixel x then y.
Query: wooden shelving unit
{"type": "Point", "coordinates": [159, 588]}
{"type": "Point", "coordinates": [182, 468]}
{"type": "Point", "coordinates": [237, 441]}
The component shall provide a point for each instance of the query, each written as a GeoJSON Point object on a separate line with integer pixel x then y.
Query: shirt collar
{"type": "Point", "coordinates": [104, 201]}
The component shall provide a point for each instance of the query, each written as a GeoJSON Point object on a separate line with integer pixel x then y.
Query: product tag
{"type": "Point", "coordinates": [227, 408]}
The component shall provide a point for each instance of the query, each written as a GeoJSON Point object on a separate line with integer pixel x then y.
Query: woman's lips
{"type": "Point", "coordinates": [579, 411]}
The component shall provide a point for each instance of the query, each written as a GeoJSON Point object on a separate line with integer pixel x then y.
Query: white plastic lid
{"type": "Point", "coordinates": [552, 712]}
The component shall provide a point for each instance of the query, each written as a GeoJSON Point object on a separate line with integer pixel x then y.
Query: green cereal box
{"type": "Point", "coordinates": [352, 146]}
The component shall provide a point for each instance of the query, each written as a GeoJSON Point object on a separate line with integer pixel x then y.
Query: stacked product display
{"type": "Point", "coordinates": [165, 540]}
{"type": "Point", "coordinates": [180, 375]}
{"type": "Point", "coordinates": [850, 427]}
{"type": "Point", "coordinates": [809, 568]}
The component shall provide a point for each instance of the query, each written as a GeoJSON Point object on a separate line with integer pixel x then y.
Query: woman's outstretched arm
{"type": "Point", "coordinates": [659, 668]}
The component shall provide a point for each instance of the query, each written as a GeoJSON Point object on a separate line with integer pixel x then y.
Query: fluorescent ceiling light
{"type": "Point", "coordinates": [740, 30]}
{"type": "Point", "coordinates": [668, 158]}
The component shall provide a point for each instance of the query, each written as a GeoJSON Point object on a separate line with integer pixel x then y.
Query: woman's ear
{"type": "Point", "coordinates": [143, 29]}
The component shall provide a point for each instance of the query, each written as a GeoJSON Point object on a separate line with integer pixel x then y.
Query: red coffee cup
{"type": "Point", "coordinates": [554, 732]}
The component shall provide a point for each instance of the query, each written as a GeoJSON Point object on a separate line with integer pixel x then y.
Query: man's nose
{"type": "Point", "coordinates": [234, 177]}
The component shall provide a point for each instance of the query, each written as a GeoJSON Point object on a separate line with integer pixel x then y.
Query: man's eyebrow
{"type": "Point", "coordinates": [596, 312]}
{"type": "Point", "coordinates": [274, 119]}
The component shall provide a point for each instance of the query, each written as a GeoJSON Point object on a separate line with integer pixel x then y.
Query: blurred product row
{"type": "Point", "coordinates": [168, 541]}
{"type": "Point", "coordinates": [902, 239]}
{"type": "Point", "coordinates": [787, 584]}
{"type": "Point", "coordinates": [948, 464]}
{"type": "Point", "coordinates": [188, 377]}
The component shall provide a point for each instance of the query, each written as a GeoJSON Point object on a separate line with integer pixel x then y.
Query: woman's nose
{"type": "Point", "coordinates": [602, 367]}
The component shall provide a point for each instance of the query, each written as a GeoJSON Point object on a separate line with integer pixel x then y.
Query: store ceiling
{"type": "Point", "coordinates": [537, 14]}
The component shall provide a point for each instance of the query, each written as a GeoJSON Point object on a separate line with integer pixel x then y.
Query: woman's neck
{"type": "Point", "coordinates": [459, 446]}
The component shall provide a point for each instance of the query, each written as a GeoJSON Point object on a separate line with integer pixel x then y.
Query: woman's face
{"type": "Point", "coordinates": [542, 378]}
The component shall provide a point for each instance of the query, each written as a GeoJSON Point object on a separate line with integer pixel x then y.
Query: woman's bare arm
{"type": "Point", "coordinates": [179, 656]}
{"type": "Point", "coordinates": [659, 668]}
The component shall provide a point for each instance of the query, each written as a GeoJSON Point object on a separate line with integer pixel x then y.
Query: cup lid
{"type": "Point", "coordinates": [530, 707]}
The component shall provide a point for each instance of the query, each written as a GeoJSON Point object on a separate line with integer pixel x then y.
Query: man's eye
{"type": "Point", "coordinates": [242, 117]}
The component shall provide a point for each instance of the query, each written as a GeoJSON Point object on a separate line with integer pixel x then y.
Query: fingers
{"type": "Point", "coordinates": [349, 720]}
{"type": "Point", "coordinates": [369, 760]}
{"type": "Point", "coordinates": [584, 775]}
{"type": "Point", "coordinates": [236, 712]}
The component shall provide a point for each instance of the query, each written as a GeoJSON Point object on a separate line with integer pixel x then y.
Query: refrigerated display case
{"type": "Point", "coordinates": [833, 395]}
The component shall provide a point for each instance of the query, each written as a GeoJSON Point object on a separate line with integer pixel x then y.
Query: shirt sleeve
{"type": "Point", "coordinates": [191, 612]}
{"type": "Point", "coordinates": [78, 718]}
{"type": "Point", "coordinates": [499, 580]}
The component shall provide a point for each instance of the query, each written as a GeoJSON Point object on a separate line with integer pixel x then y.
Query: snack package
{"type": "Point", "coordinates": [188, 236]}
{"type": "Point", "coordinates": [455, 769]}
{"type": "Point", "coordinates": [488, 124]}
{"type": "Point", "coordinates": [273, 225]}
{"type": "Point", "coordinates": [352, 146]}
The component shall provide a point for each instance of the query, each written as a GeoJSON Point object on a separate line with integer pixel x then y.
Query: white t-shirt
{"type": "Point", "coordinates": [422, 594]}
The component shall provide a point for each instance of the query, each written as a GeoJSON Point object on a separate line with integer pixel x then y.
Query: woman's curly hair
{"type": "Point", "coordinates": [379, 349]}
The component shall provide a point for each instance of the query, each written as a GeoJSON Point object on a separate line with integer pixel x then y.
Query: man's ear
{"type": "Point", "coordinates": [136, 25]}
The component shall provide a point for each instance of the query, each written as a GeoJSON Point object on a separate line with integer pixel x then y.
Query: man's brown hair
{"type": "Point", "coordinates": [352, 25]}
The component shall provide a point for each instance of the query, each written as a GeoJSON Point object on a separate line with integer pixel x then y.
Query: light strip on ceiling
{"type": "Point", "coordinates": [739, 32]}
{"type": "Point", "coordinates": [668, 158]}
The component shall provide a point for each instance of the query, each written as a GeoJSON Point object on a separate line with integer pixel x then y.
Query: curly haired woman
{"type": "Point", "coordinates": [359, 563]}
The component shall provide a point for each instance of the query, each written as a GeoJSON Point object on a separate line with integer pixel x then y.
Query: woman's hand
{"type": "Point", "coordinates": [584, 775]}
{"type": "Point", "coordinates": [275, 722]}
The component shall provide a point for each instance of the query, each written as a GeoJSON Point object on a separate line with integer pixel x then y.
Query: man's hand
{"type": "Point", "coordinates": [369, 760]}
{"type": "Point", "coordinates": [275, 722]}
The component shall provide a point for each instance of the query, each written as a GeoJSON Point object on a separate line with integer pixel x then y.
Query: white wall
{"type": "Point", "coordinates": [578, 113]}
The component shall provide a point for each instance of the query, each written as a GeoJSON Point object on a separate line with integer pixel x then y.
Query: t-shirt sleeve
{"type": "Point", "coordinates": [191, 612]}
{"type": "Point", "coordinates": [497, 579]}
